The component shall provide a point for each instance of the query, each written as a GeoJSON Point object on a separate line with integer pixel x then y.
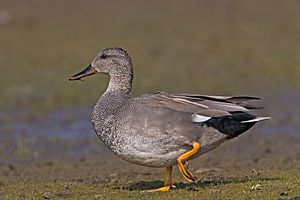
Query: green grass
{"type": "Point", "coordinates": [276, 184]}
{"type": "Point", "coordinates": [208, 47]}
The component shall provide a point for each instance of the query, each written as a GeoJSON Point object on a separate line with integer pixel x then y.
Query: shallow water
{"type": "Point", "coordinates": [54, 134]}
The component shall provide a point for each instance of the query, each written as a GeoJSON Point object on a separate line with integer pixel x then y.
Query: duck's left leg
{"type": "Point", "coordinates": [167, 182]}
{"type": "Point", "coordinates": [184, 157]}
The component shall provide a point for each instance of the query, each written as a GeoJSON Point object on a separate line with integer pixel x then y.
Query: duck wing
{"type": "Point", "coordinates": [237, 100]}
{"type": "Point", "coordinates": [205, 105]}
{"type": "Point", "coordinates": [228, 115]}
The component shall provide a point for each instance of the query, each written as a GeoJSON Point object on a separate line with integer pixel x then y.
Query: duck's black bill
{"type": "Point", "coordinates": [90, 70]}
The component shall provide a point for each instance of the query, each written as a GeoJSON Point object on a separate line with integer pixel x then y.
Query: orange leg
{"type": "Point", "coordinates": [167, 182]}
{"type": "Point", "coordinates": [183, 158]}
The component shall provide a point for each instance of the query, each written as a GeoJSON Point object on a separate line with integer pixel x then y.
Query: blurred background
{"type": "Point", "coordinates": [207, 47]}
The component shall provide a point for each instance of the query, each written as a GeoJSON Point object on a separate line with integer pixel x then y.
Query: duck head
{"type": "Point", "coordinates": [114, 62]}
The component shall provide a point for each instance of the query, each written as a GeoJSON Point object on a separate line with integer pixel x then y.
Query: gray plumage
{"type": "Point", "coordinates": [154, 129]}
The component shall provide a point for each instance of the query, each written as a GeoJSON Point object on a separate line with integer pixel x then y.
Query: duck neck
{"type": "Point", "coordinates": [120, 84]}
{"type": "Point", "coordinates": [118, 91]}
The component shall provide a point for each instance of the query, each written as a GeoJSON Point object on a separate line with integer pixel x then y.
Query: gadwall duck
{"type": "Point", "coordinates": [161, 129]}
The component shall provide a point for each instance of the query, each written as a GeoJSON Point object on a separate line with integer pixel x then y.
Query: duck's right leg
{"type": "Point", "coordinates": [167, 182]}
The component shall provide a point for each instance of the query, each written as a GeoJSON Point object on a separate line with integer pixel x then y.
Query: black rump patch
{"type": "Point", "coordinates": [231, 125]}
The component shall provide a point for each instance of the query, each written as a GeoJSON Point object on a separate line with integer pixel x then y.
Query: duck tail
{"type": "Point", "coordinates": [256, 119]}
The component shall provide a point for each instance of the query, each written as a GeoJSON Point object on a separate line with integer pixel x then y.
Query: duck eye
{"type": "Point", "coordinates": [103, 56]}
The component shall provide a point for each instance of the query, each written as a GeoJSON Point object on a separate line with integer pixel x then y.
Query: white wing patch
{"type": "Point", "coordinates": [199, 118]}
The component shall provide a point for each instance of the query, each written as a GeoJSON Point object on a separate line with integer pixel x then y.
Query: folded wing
{"type": "Point", "coordinates": [205, 105]}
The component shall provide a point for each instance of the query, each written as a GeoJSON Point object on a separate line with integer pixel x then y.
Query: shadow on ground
{"type": "Point", "coordinates": [148, 185]}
